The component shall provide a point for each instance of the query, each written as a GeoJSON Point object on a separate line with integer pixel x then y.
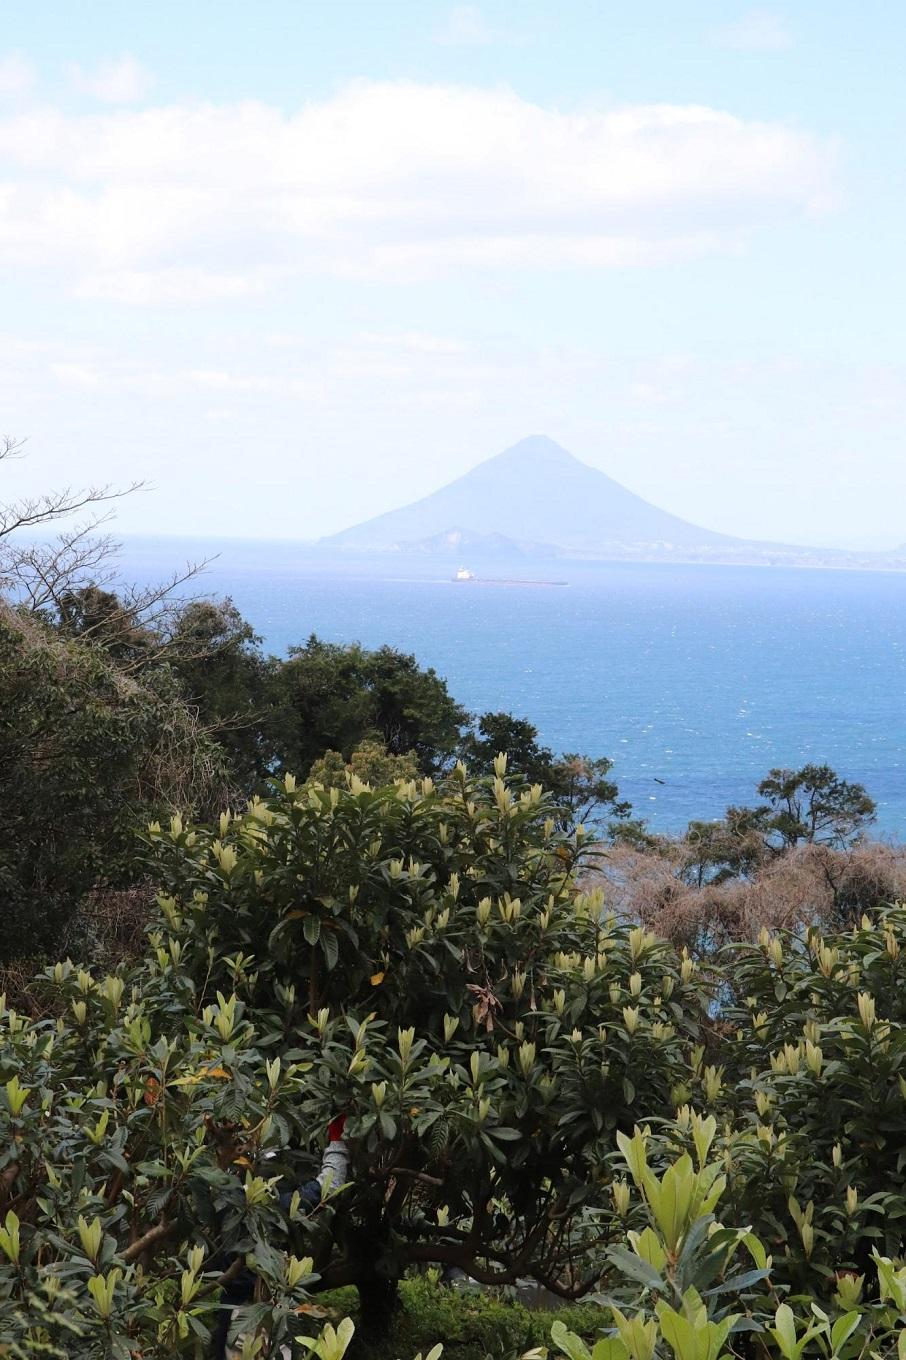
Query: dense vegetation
{"type": "Point", "coordinates": [663, 1076]}
{"type": "Point", "coordinates": [85, 750]}
{"type": "Point", "coordinates": [108, 719]}
{"type": "Point", "coordinates": [423, 959]}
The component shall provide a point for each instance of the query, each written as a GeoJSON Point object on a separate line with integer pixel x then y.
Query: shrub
{"type": "Point", "coordinates": [417, 957]}
{"type": "Point", "coordinates": [370, 763]}
{"type": "Point", "coordinates": [423, 959]}
{"type": "Point", "coordinates": [819, 1074]}
{"type": "Point", "coordinates": [120, 1128]}
{"type": "Point", "coordinates": [472, 1324]}
{"type": "Point", "coordinates": [85, 751]}
{"type": "Point", "coordinates": [425, 951]}
{"type": "Point", "coordinates": [695, 1289]}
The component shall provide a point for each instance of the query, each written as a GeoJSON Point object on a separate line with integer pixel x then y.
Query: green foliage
{"type": "Point", "coordinates": [422, 956]}
{"type": "Point", "coordinates": [484, 1025]}
{"type": "Point", "coordinates": [95, 613]}
{"type": "Point", "coordinates": [814, 804]}
{"type": "Point", "coordinates": [473, 1325]}
{"type": "Point", "coordinates": [117, 706]}
{"type": "Point", "coordinates": [116, 1200]}
{"type": "Point", "coordinates": [720, 851]}
{"type": "Point", "coordinates": [212, 654]}
{"type": "Point", "coordinates": [85, 750]}
{"type": "Point", "coordinates": [580, 786]}
{"type": "Point", "coordinates": [819, 1077]}
{"type": "Point", "coordinates": [693, 1289]}
{"type": "Point", "coordinates": [810, 806]}
{"type": "Point", "coordinates": [496, 732]}
{"type": "Point", "coordinates": [332, 697]}
{"type": "Point", "coordinates": [428, 967]}
{"type": "Point", "coordinates": [370, 763]}
{"type": "Point", "coordinates": [216, 657]}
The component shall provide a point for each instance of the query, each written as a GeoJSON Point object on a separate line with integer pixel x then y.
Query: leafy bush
{"type": "Point", "coordinates": [369, 762]}
{"type": "Point", "coordinates": [694, 1289]}
{"type": "Point", "coordinates": [425, 952]}
{"type": "Point", "coordinates": [423, 959]}
{"type": "Point", "coordinates": [417, 957]}
{"type": "Point", "coordinates": [473, 1325]}
{"type": "Point", "coordinates": [819, 1078]}
{"type": "Point", "coordinates": [120, 1120]}
{"type": "Point", "coordinates": [85, 750]}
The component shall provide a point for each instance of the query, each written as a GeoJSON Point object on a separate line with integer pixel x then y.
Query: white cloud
{"type": "Point", "coordinates": [172, 287]}
{"type": "Point", "coordinates": [17, 75]}
{"type": "Point", "coordinates": [76, 375]}
{"type": "Point", "coordinates": [415, 341]}
{"type": "Point", "coordinates": [759, 30]}
{"type": "Point", "coordinates": [465, 27]}
{"type": "Point", "coordinates": [196, 203]}
{"type": "Point", "coordinates": [123, 81]}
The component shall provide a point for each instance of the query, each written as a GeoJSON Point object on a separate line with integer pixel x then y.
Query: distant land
{"type": "Point", "coordinates": [536, 500]}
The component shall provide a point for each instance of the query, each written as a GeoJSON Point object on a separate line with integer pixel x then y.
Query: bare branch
{"type": "Point", "coordinates": [39, 575]}
{"type": "Point", "coordinates": [10, 447]}
{"type": "Point", "coordinates": [139, 623]}
{"type": "Point", "coordinates": [31, 511]}
{"type": "Point", "coordinates": [51, 577]}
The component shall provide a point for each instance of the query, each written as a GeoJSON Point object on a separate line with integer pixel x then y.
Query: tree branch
{"type": "Point", "coordinates": [413, 1175]}
{"type": "Point", "coordinates": [148, 1240]}
{"type": "Point", "coordinates": [31, 511]}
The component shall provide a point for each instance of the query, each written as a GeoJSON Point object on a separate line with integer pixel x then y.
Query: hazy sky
{"type": "Point", "coordinates": [299, 261]}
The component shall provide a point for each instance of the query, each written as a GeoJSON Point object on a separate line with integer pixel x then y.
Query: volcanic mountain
{"type": "Point", "coordinates": [533, 497]}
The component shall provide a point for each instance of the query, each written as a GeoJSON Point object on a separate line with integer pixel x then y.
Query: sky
{"type": "Point", "coordinates": [297, 262]}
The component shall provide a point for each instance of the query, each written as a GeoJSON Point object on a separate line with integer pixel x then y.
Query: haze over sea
{"type": "Point", "coordinates": [703, 677]}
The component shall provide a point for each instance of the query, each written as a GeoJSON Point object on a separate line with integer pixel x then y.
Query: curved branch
{"type": "Point", "coordinates": [53, 505]}
{"type": "Point", "coordinates": [148, 1240]}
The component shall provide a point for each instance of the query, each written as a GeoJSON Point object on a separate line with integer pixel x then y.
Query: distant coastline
{"type": "Point", "coordinates": [816, 559]}
{"type": "Point", "coordinates": [385, 564]}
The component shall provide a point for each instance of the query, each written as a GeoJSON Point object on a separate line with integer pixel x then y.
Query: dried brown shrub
{"type": "Point", "coordinates": [117, 918]}
{"type": "Point", "coordinates": [19, 992]}
{"type": "Point", "coordinates": [108, 929]}
{"type": "Point", "coordinates": [811, 883]}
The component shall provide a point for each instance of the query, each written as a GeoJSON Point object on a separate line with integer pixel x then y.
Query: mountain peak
{"type": "Point", "coordinates": [538, 450]}
{"type": "Point", "coordinates": [535, 492]}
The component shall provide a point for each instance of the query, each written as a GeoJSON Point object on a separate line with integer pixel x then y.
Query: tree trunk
{"type": "Point", "coordinates": [378, 1302]}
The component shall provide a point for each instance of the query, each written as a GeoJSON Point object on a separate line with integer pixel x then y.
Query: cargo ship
{"type": "Point", "coordinates": [466, 574]}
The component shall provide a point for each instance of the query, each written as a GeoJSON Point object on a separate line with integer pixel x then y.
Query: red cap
{"type": "Point", "coordinates": [335, 1128]}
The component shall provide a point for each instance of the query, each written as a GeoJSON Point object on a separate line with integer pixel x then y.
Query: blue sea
{"type": "Point", "coordinates": [702, 677]}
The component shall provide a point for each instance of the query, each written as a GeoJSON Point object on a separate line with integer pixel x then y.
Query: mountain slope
{"type": "Point", "coordinates": [533, 493]}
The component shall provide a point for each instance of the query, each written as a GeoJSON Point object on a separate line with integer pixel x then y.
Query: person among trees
{"type": "Point", "coordinates": [331, 1177]}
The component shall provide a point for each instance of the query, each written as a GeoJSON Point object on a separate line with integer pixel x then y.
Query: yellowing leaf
{"type": "Point", "coordinates": [377, 979]}
{"type": "Point", "coordinates": [195, 1077]}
